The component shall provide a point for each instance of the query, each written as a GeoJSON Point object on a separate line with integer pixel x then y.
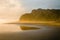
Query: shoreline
{"type": "Point", "coordinates": [48, 24]}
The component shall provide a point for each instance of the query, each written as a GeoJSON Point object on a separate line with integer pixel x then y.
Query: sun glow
{"type": "Point", "coordinates": [5, 20]}
{"type": "Point", "coordinates": [10, 9]}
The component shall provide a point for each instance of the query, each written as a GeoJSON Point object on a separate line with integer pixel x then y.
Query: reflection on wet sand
{"type": "Point", "coordinates": [28, 28]}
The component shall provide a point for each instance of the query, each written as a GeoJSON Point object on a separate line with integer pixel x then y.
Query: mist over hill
{"type": "Point", "coordinates": [42, 15]}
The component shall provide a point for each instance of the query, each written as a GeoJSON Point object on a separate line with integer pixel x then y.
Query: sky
{"type": "Point", "coordinates": [11, 10]}
{"type": "Point", "coordinates": [35, 4]}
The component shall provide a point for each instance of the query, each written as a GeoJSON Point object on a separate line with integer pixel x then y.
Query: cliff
{"type": "Point", "coordinates": [41, 15]}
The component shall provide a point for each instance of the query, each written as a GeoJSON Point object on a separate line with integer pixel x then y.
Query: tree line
{"type": "Point", "coordinates": [42, 15]}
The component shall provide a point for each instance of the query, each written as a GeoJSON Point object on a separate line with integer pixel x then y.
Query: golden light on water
{"type": "Point", "coordinates": [8, 27]}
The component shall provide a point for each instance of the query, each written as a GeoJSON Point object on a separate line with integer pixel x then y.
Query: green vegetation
{"type": "Point", "coordinates": [28, 28]}
{"type": "Point", "coordinates": [42, 15]}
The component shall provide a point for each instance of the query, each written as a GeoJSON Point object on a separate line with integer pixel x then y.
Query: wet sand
{"type": "Point", "coordinates": [44, 33]}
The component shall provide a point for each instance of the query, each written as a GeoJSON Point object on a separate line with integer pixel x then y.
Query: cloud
{"type": "Point", "coordinates": [10, 9]}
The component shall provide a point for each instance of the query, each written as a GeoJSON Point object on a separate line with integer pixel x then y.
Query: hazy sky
{"type": "Point", "coordinates": [31, 4]}
{"type": "Point", "coordinates": [12, 9]}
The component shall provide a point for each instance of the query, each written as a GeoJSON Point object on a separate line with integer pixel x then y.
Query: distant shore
{"type": "Point", "coordinates": [42, 22]}
{"type": "Point", "coordinates": [49, 23]}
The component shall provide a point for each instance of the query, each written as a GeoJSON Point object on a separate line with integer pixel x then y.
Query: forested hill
{"type": "Point", "coordinates": [42, 15]}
